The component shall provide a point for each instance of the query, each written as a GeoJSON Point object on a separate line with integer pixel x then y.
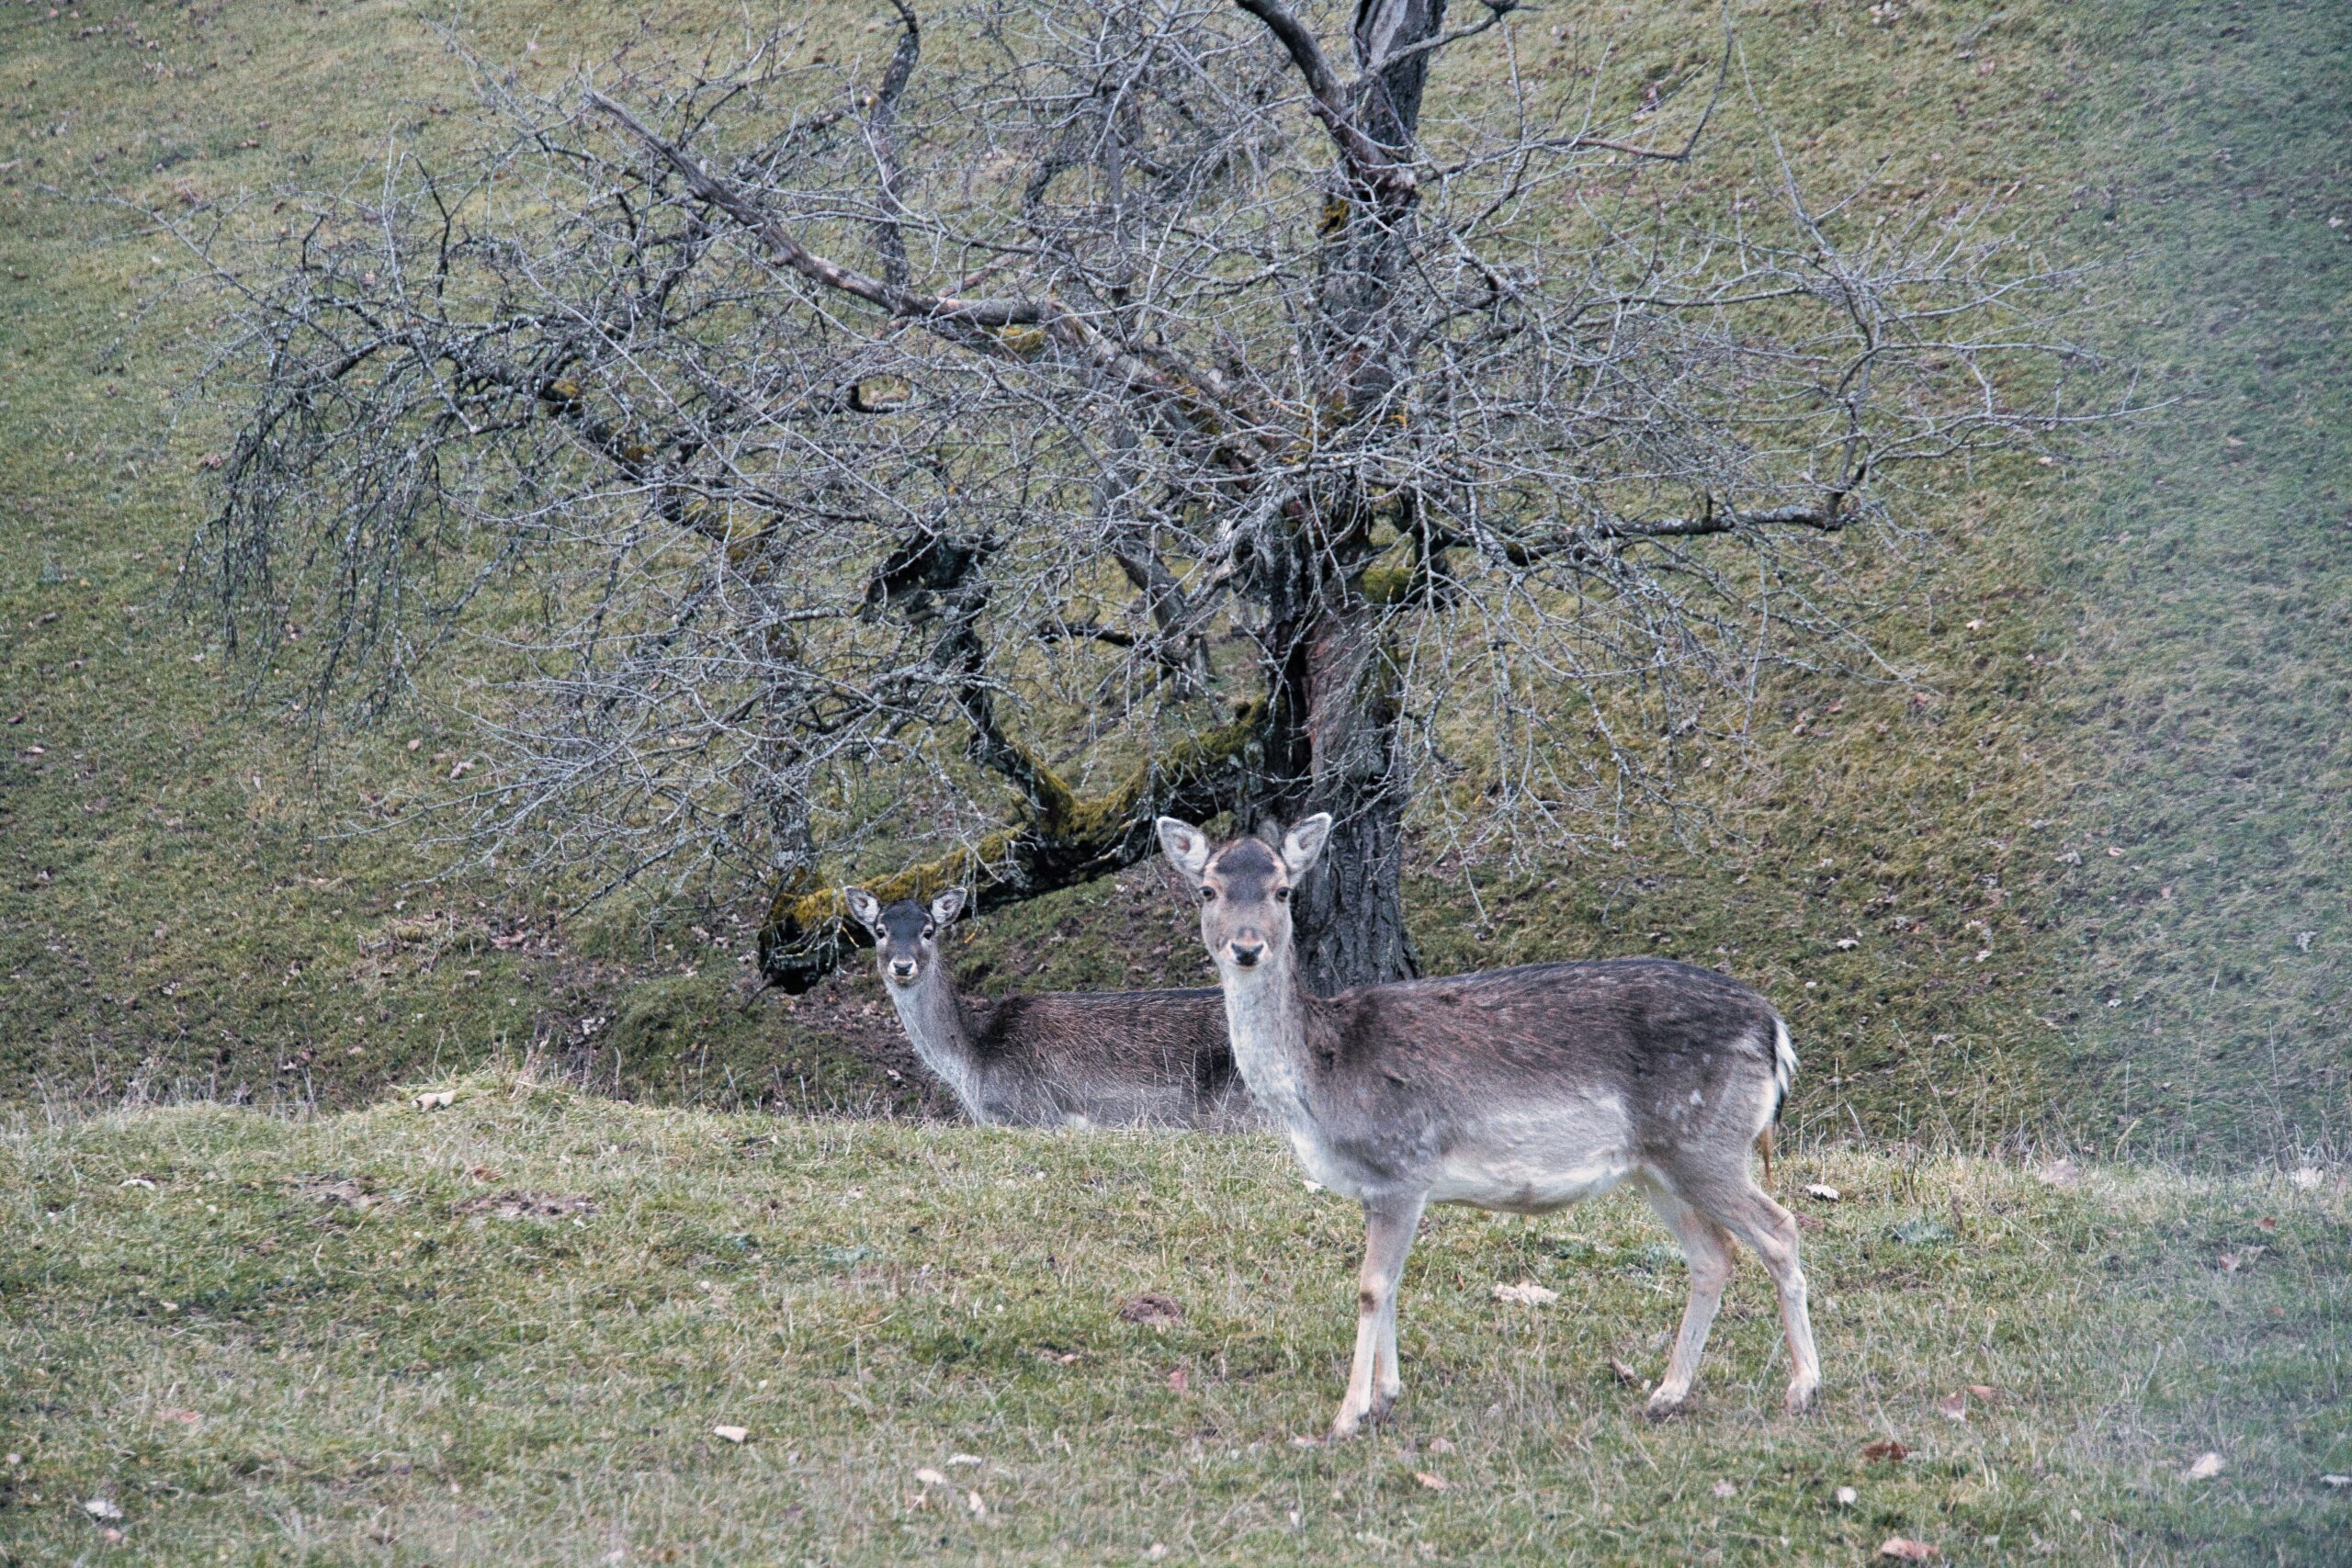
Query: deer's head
{"type": "Point", "coordinates": [1244, 886]}
{"type": "Point", "coordinates": [906, 934]}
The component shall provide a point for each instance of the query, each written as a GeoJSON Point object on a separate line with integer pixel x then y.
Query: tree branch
{"type": "Point", "coordinates": [806, 934]}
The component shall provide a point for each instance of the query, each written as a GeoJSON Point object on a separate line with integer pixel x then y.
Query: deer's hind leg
{"type": "Point", "coordinates": [1749, 1214]}
{"type": "Point", "coordinates": [1707, 1248]}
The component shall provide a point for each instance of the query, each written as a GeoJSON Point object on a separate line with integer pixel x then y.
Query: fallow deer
{"type": "Point", "coordinates": [1086, 1058]}
{"type": "Point", "coordinates": [1522, 1090]}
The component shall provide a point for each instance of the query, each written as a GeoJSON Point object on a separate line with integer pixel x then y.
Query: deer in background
{"type": "Point", "coordinates": [1521, 1090]}
{"type": "Point", "coordinates": [1084, 1058]}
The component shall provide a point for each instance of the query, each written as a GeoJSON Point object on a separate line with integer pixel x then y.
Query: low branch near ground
{"type": "Point", "coordinates": [805, 932]}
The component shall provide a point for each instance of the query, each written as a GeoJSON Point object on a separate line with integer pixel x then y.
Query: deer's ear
{"type": "Point", "coordinates": [948, 906]}
{"type": "Point", "coordinates": [1305, 844]}
{"type": "Point", "coordinates": [1186, 846]}
{"type": "Point", "coordinates": [863, 906]}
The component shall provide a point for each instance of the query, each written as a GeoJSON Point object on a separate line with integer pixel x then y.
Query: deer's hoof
{"type": "Point", "coordinates": [1345, 1424]}
{"type": "Point", "coordinates": [1382, 1403]}
{"type": "Point", "coordinates": [1801, 1392]}
{"type": "Point", "coordinates": [1666, 1403]}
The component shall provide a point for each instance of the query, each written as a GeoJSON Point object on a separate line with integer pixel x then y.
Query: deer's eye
{"type": "Point", "coordinates": [1282, 895]}
{"type": "Point", "coordinates": [1208, 895]}
{"type": "Point", "coordinates": [927, 930]}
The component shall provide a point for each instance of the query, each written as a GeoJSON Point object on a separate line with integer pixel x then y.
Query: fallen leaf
{"type": "Point", "coordinates": [185, 1417]}
{"type": "Point", "coordinates": [102, 1508]}
{"type": "Point", "coordinates": [1150, 1309]}
{"type": "Point", "coordinates": [438, 1099]}
{"type": "Point", "coordinates": [1527, 1294]}
{"type": "Point", "coordinates": [1725, 1489]}
{"type": "Point", "coordinates": [1885, 1450]}
{"type": "Point", "coordinates": [2304, 1176]}
{"type": "Point", "coordinates": [1178, 1381]}
{"type": "Point", "coordinates": [1434, 1482]}
{"type": "Point", "coordinates": [2338, 1481]}
{"type": "Point", "coordinates": [1953, 1406]}
{"type": "Point", "coordinates": [1985, 1391]}
{"type": "Point", "coordinates": [931, 1477]}
{"type": "Point", "coordinates": [732, 1434]}
{"type": "Point", "coordinates": [1441, 1446]}
{"type": "Point", "coordinates": [965, 1459]}
{"type": "Point", "coordinates": [972, 1500]}
{"type": "Point", "coordinates": [484, 1175]}
{"type": "Point", "coordinates": [1310, 1186]}
{"type": "Point", "coordinates": [1903, 1551]}
{"type": "Point", "coordinates": [1625, 1374]}
{"type": "Point", "coordinates": [111, 1535]}
{"type": "Point", "coordinates": [1847, 944]}
{"type": "Point", "coordinates": [1824, 1191]}
{"type": "Point", "coordinates": [1847, 1497]}
{"type": "Point", "coordinates": [2205, 1467]}
{"type": "Point", "coordinates": [139, 1181]}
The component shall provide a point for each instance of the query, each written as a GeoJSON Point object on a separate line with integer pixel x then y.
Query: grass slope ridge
{"type": "Point", "coordinates": [508, 1331]}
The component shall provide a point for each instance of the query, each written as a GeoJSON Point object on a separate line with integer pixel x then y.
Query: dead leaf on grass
{"type": "Point", "coordinates": [931, 1477]}
{"type": "Point", "coordinates": [1433, 1481]}
{"type": "Point", "coordinates": [102, 1508]}
{"type": "Point", "coordinates": [1953, 1406]}
{"type": "Point", "coordinates": [1625, 1374]}
{"type": "Point", "coordinates": [1824, 1191]}
{"type": "Point", "coordinates": [2203, 1468]}
{"type": "Point", "coordinates": [185, 1417]}
{"type": "Point", "coordinates": [731, 1434]}
{"type": "Point", "coordinates": [1886, 1450]}
{"type": "Point", "coordinates": [1725, 1489]}
{"type": "Point", "coordinates": [1527, 1292]}
{"type": "Point", "coordinates": [1903, 1551]}
{"type": "Point", "coordinates": [1441, 1446]}
{"type": "Point", "coordinates": [440, 1100]}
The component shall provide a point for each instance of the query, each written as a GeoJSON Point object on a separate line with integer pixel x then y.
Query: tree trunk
{"type": "Point", "coordinates": [1332, 746]}
{"type": "Point", "coordinates": [1335, 745]}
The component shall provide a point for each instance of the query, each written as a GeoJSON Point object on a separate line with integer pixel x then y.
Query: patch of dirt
{"type": "Point", "coordinates": [1151, 1309]}
{"type": "Point", "coordinates": [514, 1204]}
{"type": "Point", "coordinates": [343, 1192]}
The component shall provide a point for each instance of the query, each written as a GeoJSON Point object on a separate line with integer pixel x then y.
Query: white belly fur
{"type": "Point", "coordinates": [1539, 1159]}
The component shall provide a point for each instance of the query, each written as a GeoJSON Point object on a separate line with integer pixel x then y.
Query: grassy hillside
{"type": "Point", "coordinates": [506, 1331]}
{"type": "Point", "coordinates": [190, 901]}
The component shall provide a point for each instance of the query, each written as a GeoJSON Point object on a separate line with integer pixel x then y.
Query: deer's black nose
{"type": "Point", "coordinates": [902, 968]}
{"type": "Point", "coordinates": [1246, 953]}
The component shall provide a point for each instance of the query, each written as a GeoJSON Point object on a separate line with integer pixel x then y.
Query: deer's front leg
{"type": "Point", "coordinates": [1388, 1227]}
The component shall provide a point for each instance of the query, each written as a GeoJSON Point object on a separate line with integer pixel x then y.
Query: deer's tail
{"type": "Point", "coordinates": [1784, 1074]}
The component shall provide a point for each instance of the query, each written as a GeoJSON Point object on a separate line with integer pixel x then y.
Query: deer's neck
{"type": "Point", "coordinates": [934, 1018]}
{"type": "Point", "coordinates": [1265, 1012]}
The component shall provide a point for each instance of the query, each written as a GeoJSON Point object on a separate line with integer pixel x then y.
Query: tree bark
{"type": "Point", "coordinates": [1337, 703]}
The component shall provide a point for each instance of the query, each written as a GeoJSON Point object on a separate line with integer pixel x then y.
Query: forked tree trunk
{"type": "Point", "coordinates": [1335, 741]}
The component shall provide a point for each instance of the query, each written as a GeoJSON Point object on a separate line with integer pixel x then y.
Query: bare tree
{"type": "Point", "coordinates": [1137, 411]}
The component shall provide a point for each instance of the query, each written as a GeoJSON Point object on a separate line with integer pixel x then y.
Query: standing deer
{"type": "Point", "coordinates": [1085, 1058]}
{"type": "Point", "coordinates": [1520, 1089]}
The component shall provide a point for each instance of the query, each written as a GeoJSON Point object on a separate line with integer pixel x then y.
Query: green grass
{"type": "Point", "coordinates": [184, 912]}
{"type": "Point", "coordinates": [318, 1340]}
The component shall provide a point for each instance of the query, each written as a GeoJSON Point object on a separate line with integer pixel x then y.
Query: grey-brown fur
{"type": "Point", "coordinates": [1099, 1058]}
{"type": "Point", "coordinates": [1520, 1089]}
